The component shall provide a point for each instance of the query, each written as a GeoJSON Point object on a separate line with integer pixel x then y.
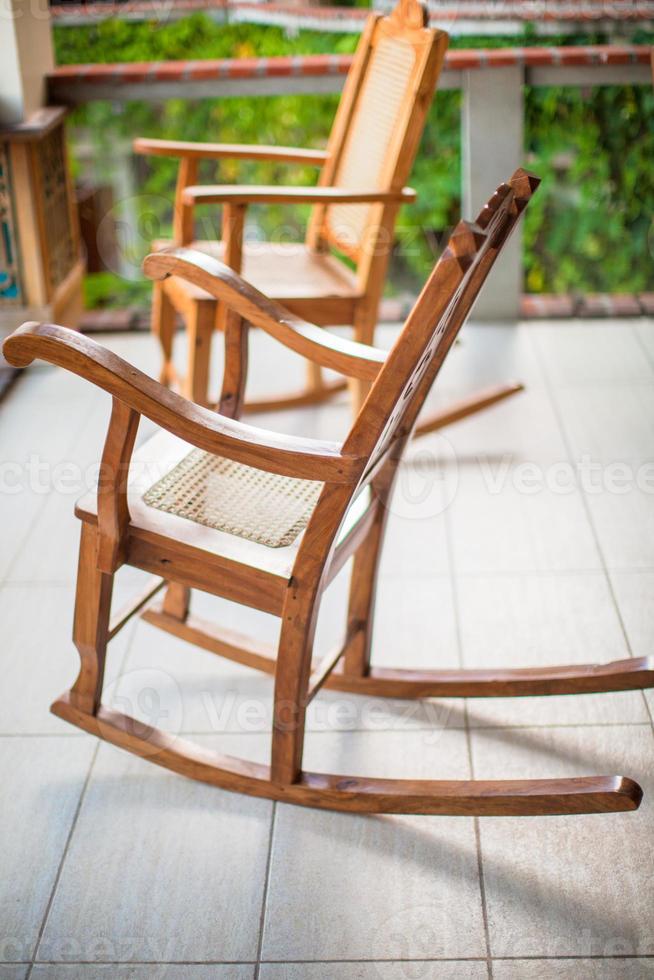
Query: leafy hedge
{"type": "Point", "coordinates": [588, 229]}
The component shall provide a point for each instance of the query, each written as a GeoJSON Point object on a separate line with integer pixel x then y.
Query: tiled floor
{"type": "Point", "coordinates": [523, 536]}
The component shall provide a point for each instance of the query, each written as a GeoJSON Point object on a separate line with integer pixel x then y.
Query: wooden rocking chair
{"type": "Point", "coordinates": [369, 156]}
{"type": "Point", "coordinates": [269, 520]}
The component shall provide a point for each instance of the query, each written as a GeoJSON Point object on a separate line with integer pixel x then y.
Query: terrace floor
{"type": "Point", "coordinates": [502, 550]}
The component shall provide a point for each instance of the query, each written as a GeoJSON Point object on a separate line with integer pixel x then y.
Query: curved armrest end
{"type": "Point", "coordinates": [17, 349]}
{"type": "Point", "coordinates": [320, 346]}
{"type": "Point", "coordinates": [308, 459]}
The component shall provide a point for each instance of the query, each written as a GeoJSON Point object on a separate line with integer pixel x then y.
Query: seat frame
{"type": "Point", "coordinates": [368, 458]}
{"type": "Point", "coordinates": [202, 313]}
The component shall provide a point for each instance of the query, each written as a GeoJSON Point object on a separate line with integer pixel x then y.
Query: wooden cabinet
{"type": "Point", "coordinates": [41, 267]}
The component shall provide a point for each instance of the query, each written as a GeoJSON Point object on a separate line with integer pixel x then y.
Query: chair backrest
{"type": "Point", "coordinates": [378, 125]}
{"type": "Point", "coordinates": [397, 395]}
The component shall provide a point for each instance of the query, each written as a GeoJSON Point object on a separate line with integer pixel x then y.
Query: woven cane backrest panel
{"type": "Point", "coordinates": [375, 137]}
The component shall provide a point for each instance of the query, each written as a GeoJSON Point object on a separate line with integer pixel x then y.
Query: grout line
{"type": "Point", "coordinates": [445, 959]}
{"type": "Point", "coordinates": [72, 830]}
{"type": "Point", "coordinates": [376, 730]}
{"type": "Point", "coordinates": [449, 544]}
{"type": "Point", "coordinates": [62, 861]}
{"type": "Point", "coordinates": [591, 523]}
{"type": "Point", "coordinates": [68, 452]}
{"type": "Point", "coordinates": [266, 885]}
{"type": "Point", "coordinates": [644, 349]}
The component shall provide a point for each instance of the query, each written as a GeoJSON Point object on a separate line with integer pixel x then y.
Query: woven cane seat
{"type": "Point", "coordinates": [227, 496]}
{"type": "Point", "coordinates": [285, 271]}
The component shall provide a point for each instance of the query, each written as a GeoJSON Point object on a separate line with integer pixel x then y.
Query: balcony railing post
{"type": "Point", "coordinates": [492, 125]}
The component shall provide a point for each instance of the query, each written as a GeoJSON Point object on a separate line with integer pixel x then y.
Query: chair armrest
{"type": "Point", "coordinates": [234, 151]}
{"type": "Point", "coordinates": [320, 346]}
{"type": "Point", "coordinates": [253, 194]}
{"type": "Point", "coordinates": [307, 459]}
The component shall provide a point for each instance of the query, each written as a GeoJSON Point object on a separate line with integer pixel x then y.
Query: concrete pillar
{"type": "Point", "coordinates": [492, 142]}
{"type": "Point", "coordinates": [26, 57]}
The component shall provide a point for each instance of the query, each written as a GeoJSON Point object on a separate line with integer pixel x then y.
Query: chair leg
{"type": "Point", "coordinates": [361, 606]}
{"type": "Point", "coordinates": [91, 625]}
{"type": "Point", "coordinates": [315, 380]}
{"type": "Point", "coordinates": [163, 327]}
{"type": "Point", "coordinates": [177, 601]}
{"type": "Point", "coordinates": [292, 674]}
{"type": "Point", "coordinates": [200, 325]}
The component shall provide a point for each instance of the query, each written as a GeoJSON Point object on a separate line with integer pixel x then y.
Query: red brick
{"type": "Point", "coordinates": [211, 68]}
{"type": "Point", "coordinates": [625, 304]}
{"type": "Point", "coordinates": [245, 67]}
{"type": "Point", "coordinates": [596, 304]}
{"type": "Point", "coordinates": [646, 301]}
{"type": "Point", "coordinates": [547, 306]}
{"type": "Point", "coordinates": [463, 59]}
{"type": "Point", "coordinates": [538, 56]}
{"type": "Point", "coordinates": [169, 70]}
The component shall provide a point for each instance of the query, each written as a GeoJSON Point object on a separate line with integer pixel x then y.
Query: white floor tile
{"type": "Point", "coordinates": [38, 658]}
{"type": "Point", "coordinates": [520, 518]}
{"type": "Point", "coordinates": [160, 868]}
{"type": "Point", "coordinates": [609, 423]}
{"type": "Point", "coordinates": [577, 969]}
{"type": "Point", "coordinates": [357, 887]}
{"type": "Point", "coordinates": [624, 523]}
{"type": "Point", "coordinates": [634, 592]}
{"type": "Point", "coordinates": [587, 352]}
{"type": "Point", "coordinates": [570, 885]}
{"type": "Point", "coordinates": [162, 971]}
{"type": "Point", "coordinates": [386, 970]}
{"type": "Point", "coordinates": [540, 620]}
{"type": "Point", "coordinates": [42, 779]}
{"type": "Point", "coordinates": [523, 428]}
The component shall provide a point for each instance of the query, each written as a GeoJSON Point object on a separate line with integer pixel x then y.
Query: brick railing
{"type": "Point", "coordinates": [73, 84]}
{"type": "Point", "coordinates": [492, 83]}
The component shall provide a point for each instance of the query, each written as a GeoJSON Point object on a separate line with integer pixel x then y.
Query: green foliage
{"type": "Point", "coordinates": [588, 228]}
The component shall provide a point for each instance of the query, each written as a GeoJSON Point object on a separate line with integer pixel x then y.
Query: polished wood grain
{"type": "Point", "coordinates": [348, 522]}
{"type": "Point", "coordinates": [113, 511]}
{"type": "Point", "coordinates": [185, 150]}
{"type": "Point", "coordinates": [252, 194]}
{"type": "Point", "coordinates": [324, 348]}
{"type": "Point", "coordinates": [398, 55]}
{"type": "Point", "coordinates": [288, 455]}
{"type": "Point", "coordinates": [464, 798]}
{"type": "Point", "coordinates": [359, 677]}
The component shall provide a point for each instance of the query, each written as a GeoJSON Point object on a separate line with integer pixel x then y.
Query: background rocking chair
{"type": "Point", "coordinates": [369, 156]}
{"type": "Point", "coordinates": [268, 521]}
